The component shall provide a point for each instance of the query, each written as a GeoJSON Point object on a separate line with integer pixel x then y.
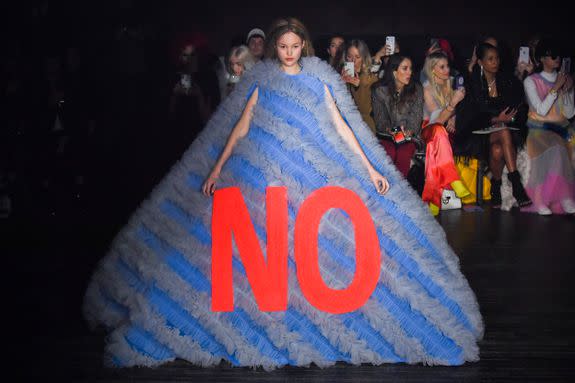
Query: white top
{"type": "Point", "coordinates": [542, 107]}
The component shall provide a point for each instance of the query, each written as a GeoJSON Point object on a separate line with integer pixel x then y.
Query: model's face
{"type": "Point", "coordinates": [353, 55]}
{"type": "Point", "coordinates": [236, 66]}
{"type": "Point", "coordinates": [403, 73]}
{"type": "Point", "coordinates": [551, 62]}
{"type": "Point", "coordinates": [256, 45]}
{"type": "Point", "coordinates": [334, 45]}
{"type": "Point", "coordinates": [441, 70]}
{"type": "Point", "coordinates": [288, 49]}
{"type": "Point", "coordinates": [490, 62]}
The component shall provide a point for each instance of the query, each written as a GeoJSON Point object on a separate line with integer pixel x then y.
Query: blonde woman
{"type": "Point", "coordinates": [240, 59]}
{"type": "Point", "coordinates": [360, 82]}
{"type": "Point", "coordinates": [440, 101]}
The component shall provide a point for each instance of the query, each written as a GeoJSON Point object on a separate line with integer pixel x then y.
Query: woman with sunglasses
{"type": "Point", "coordinates": [551, 183]}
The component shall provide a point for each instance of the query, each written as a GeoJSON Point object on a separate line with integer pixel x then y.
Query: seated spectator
{"type": "Point", "coordinates": [398, 102]}
{"type": "Point", "coordinates": [497, 100]}
{"type": "Point", "coordinates": [473, 60]}
{"type": "Point", "coordinates": [239, 60]}
{"type": "Point", "coordinates": [440, 101]}
{"type": "Point", "coordinates": [551, 182]}
{"type": "Point", "coordinates": [440, 45]}
{"type": "Point", "coordinates": [360, 82]}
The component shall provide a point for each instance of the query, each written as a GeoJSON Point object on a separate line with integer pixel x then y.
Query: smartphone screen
{"type": "Point", "coordinates": [434, 42]}
{"type": "Point", "coordinates": [458, 81]}
{"type": "Point", "coordinates": [390, 42]}
{"type": "Point", "coordinates": [349, 68]}
{"type": "Point", "coordinates": [524, 55]}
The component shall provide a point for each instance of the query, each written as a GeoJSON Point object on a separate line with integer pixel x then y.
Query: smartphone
{"type": "Point", "coordinates": [566, 65]}
{"type": "Point", "coordinates": [349, 68]}
{"type": "Point", "coordinates": [523, 55]}
{"type": "Point", "coordinates": [458, 82]}
{"type": "Point", "coordinates": [434, 42]}
{"type": "Point", "coordinates": [390, 42]}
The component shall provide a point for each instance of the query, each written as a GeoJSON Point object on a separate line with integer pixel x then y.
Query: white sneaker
{"type": "Point", "coordinates": [568, 206]}
{"type": "Point", "coordinates": [544, 210]}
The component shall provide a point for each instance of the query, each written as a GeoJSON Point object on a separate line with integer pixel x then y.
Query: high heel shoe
{"type": "Point", "coordinates": [518, 191]}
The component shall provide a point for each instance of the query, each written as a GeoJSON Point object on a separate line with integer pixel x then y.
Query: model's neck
{"type": "Point", "coordinates": [292, 69]}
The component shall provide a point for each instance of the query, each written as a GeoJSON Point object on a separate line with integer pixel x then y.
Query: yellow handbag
{"type": "Point", "coordinates": [467, 169]}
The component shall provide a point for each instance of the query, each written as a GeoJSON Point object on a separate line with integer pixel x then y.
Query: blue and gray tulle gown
{"type": "Point", "coordinates": [152, 291]}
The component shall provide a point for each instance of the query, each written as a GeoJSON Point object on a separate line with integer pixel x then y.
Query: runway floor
{"type": "Point", "coordinates": [521, 266]}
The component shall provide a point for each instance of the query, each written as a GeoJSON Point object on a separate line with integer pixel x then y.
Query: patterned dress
{"type": "Point", "coordinates": [153, 289]}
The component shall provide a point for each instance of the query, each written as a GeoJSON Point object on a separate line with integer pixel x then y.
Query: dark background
{"type": "Point", "coordinates": [95, 22]}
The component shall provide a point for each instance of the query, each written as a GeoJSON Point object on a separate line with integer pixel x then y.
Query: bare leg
{"type": "Point", "coordinates": [509, 152]}
{"type": "Point", "coordinates": [496, 162]}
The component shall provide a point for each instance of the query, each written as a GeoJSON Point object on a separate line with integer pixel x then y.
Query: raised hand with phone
{"type": "Point", "coordinates": [357, 73]}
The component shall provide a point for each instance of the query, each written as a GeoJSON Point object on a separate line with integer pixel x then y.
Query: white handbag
{"type": "Point", "coordinates": [449, 200]}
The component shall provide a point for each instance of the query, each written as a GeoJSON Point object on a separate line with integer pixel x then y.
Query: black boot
{"type": "Point", "coordinates": [518, 191]}
{"type": "Point", "coordinates": [496, 194]}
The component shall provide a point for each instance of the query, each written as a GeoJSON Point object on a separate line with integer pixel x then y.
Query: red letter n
{"type": "Point", "coordinates": [268, 280]}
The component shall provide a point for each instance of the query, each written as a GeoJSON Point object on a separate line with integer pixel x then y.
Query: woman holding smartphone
{"type": "Point", "coordinates": [551, 182]}
{"type": "Point", "coordinates": [440, 102]}
{"type": "Point", "coordinates": [361, 79]}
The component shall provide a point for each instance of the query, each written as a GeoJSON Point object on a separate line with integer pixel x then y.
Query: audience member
{"type": "Point", "coordinates": [360, 81]}
{"type": "Point", "coordinates": [440, 45]}
{"type": "Point", "coordinates": [551, 182]}
{"type": "Point", "coordinates": [398, 107]}
{"type": "Point", "coordinates": [256, 42]}
{"type": "Point", "coordinates": [195, 93]}
{"type": "Point", "coordinates": [501, 112]}
{"type": "Point", "coordinates": [440, 102]}
{"type": "Point", "coordinates": [335, 51]}
{"type": "Point", "coordinates": [238, 61]}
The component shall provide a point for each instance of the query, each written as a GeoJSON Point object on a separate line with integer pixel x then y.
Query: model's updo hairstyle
{"type": "Point", "coordinates": [282, 26]}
